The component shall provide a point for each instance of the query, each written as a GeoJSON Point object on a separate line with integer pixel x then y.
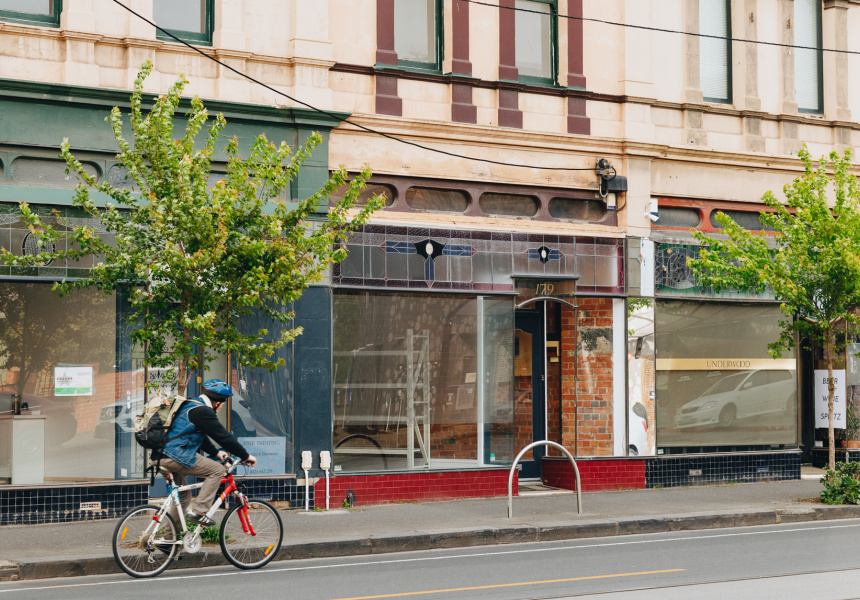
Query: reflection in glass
{"type": "Point", "coordinates": [640, 377]}
{"type": "Point", "coordinates": [261, 408]}
{"type": "Point", "coordinates": [533, 44]}
{"type": "Point", "coordinates": [67, 386]}
{"type": "Point", "coordinates": [32, 7]}
{"type": "Point", "coordinates": [498, 346]}
{"type": "Point", "coordinates": [181, 15]}
{"type": "Point", "coordinates": [406, 381]}
{"type": "Point", "coordinates": [702, 408]}
{"type": "Point", "coordinates": [415, 30]}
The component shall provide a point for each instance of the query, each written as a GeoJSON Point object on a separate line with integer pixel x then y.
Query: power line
{"type": "Point", "coordinates": [337, 118]}
{"type": "Point", "coordinates": [662, 30]}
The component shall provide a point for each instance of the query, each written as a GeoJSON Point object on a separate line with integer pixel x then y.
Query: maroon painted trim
{"type": "Point", "coordinates": [577, 121]}
{"type": "Point", "coordinates": [507, 41]}
{"type": "Point", "coordinates": [575, 78]}
{"type": "Point", "coordinates": [385, 53]}
{"type": "Point", "coordinates": [387, 100]}
{"type": "Point", "coordinates": [460, 65]}
{"type": "Point", "coordinates": [509, 113]}
{"type": "Point", "coordinates": [462, 109]}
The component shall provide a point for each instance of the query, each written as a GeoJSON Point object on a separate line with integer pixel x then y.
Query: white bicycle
{"type": "Point", "coordinates": [146, 539]}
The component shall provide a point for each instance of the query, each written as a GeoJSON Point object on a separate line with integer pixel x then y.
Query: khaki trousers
{"type": "Point", "coordinates": [210, 470]}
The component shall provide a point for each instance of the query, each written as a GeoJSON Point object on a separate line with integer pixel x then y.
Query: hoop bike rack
{"type": "Point", "coordinates": [517, 460]}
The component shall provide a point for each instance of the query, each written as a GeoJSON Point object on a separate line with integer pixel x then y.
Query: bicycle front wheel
{"type": "Point", "coordinates": [251, 538]}
{"type": "Point", "coordinates": [142, 546]}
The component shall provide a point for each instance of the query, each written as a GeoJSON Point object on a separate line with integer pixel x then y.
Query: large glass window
{"type": "Point", "coordinates": [31, 12]}
{"type": "Point", "coordinates": [716, 384]}
{"type": "Point", "coordinates": [416, 33]}
{"type": "Point", "coordinates": [421, 381]}
{"type": "Point", "coordinates": [715, 50]}
{"type": "Point", "coordinates": [189, 20]}
{"type": "Point", "coordinates": [808, 56]}
{"type": "Point", "coordinates": [641, 430]}
{"type": "Point", "coordinates": [535, 28]}
{"type": "Point", "coordinates": [68, 392]}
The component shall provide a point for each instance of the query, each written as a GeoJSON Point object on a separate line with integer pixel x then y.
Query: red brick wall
{"type": "Point", "coordinates": [594, 414]}
{"type": "Point", "coordinates": [414, 487]}
{"type": "Point", "coordinates": [595, 475]}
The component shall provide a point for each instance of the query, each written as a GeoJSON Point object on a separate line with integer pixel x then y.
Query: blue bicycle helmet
{"type": "Point", "coordinates": [217, 390]}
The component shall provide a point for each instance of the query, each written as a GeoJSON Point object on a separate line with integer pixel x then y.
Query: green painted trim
{"type": "Point", "coordinates": [553, 43]}
{"type": "Point", "coordinates": [55, 93]}
{"type": "Point", "coordinates": [193, 37]}
{"type": "Point", "coordinates": [33, 18]}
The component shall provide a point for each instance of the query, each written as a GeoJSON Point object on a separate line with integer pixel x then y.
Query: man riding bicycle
{"type": "Point", "coordinates": [194, 423]}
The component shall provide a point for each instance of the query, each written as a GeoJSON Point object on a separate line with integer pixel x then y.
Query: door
{"type": "Point", "coordinates": [530, 387]}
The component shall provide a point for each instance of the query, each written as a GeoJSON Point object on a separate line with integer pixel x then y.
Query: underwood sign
{"type": "Point", "coordinates": [726, 364]}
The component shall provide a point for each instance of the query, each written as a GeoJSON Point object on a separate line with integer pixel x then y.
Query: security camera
{"type": "Point", "coordinates": [651, 211]}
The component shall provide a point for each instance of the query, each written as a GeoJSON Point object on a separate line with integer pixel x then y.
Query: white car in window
{"type": "Point", "coordinates": [741, 395]}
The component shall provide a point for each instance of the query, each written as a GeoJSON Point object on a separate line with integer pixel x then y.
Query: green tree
{"type": "Point", "coordinates": [810, 261]}
{"type": "Point", "coordinates": [192, 258]}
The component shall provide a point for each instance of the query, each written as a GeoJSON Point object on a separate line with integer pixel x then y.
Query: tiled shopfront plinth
{"type": "Point", "coordinates": [595, 475]}
{"type": "Point", "coordinates": [276, 490]}
{"type": "Point", "coordinates": [722, 468]}
{"type": "Point", "coordinates": [64, 504]}
{"type": "Point", "coordinates": [414, 487]}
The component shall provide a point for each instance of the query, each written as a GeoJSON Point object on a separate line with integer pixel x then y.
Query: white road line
{"type": "Point", "coordinates": [430, 558]}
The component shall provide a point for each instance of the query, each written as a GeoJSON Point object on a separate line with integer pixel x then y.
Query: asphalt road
{"type": "Point", "coordinates": [804, 560]}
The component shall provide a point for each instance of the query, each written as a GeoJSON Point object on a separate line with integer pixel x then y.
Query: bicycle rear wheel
{"type": "Point", "coordinates": [244, 549]}
{"type": "Point", "coordinates": [136, 550]}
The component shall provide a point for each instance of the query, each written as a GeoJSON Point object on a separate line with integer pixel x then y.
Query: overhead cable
{"type": "Point", "coordinates": [338, 118]}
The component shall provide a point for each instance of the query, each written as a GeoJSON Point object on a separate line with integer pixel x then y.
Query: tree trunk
{"type": "Point", "coordinates": [829, 343]}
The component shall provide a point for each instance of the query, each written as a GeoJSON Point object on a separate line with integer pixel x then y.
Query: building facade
{"type": "Point", "coordinates": [543, 162]}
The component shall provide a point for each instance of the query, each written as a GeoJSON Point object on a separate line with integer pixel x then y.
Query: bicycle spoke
{"type": "Point", "coordinates": [247, 550]}
{"type": "Point", "coordinates": [140, 549]}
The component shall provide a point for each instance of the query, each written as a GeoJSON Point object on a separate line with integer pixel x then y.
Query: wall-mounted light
{"type": "Point", "coordinates": [610, 184]}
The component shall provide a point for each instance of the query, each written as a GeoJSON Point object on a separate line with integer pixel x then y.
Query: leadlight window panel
{"type": "Point", "coordinates": [415, 27]}
{"type": "Point", "coordinates": [436, 200]}
{"type": "Point", "coordinates": [508, 205]}
{"type": "Point", "coordinates": [576, 209]}
{"type": "Point", "coordinates": [31, 12]}
{"type": "Point", "coordinates": [715, 52]}
{"type": "Point", "coordinates": [189, 20]}
{"type": "Point", "coordinates": [370, 190]}
{"type": "Point", "coordinates": [744, 218]}
{"type": "Point", "coordinates": [534, 40]}
{"type": "Point", "coordinates": [676, 216]}
{"type": "Point", "coordinates": [807, 56]}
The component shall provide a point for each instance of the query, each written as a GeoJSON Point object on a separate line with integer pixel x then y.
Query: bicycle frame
{"type": "Point", "coordinates": [173, 500]}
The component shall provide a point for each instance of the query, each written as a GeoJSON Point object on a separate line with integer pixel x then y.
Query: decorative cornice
{"type": "Point", "coordinates": [17, 90]}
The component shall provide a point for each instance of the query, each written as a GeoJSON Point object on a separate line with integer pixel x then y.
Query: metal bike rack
{"type": "Point", "coordinates": [517, 460]}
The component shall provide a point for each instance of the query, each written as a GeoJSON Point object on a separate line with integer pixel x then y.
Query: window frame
{"type": "Point", "coordinates": [729, 87]}
{"type": "Point", "coordinates": [192, 37]}
{"type": "Point", "coordinates": [552, 80]}
{"type": "Point", "coordinates": [819, 52]}
{"type": "Point", "coordinates": [430, 67]}
{"type": "Point", "coordinates": [13, 16]}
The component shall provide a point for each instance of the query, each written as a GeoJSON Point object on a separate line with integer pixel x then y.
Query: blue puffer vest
{"type": "Point", "coordinates": [184, 449]}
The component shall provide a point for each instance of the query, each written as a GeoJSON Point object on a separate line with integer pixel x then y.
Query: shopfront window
{"type": "Point", "coordinates": [261, 408]}
{"type": "Point", "coordinates": [421, 381]}
{"type": "Point", "coordinates": [68, 392]}
{"type": "Point", "coordinates": [716, 384]}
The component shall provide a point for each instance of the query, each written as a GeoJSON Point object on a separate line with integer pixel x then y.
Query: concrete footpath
{"type": "Point", "coordinates": [539, 514]}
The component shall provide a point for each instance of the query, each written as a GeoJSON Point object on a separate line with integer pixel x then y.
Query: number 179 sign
{"type": "Point", "coordinates": [821, 394]}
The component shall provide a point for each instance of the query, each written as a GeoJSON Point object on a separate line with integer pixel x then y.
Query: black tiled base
{"type": "Point", "coordinates": [63, 504]}
{"type": "Point", "coordinates": [277, 490]}
{"type": "Point", "coordinates": [714, 469]}
{"type": "Point", "coordinates": [820, 456]}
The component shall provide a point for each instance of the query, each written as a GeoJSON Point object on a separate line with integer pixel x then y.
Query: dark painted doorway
{"type": "Point", "coordinates": [530, 387]}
